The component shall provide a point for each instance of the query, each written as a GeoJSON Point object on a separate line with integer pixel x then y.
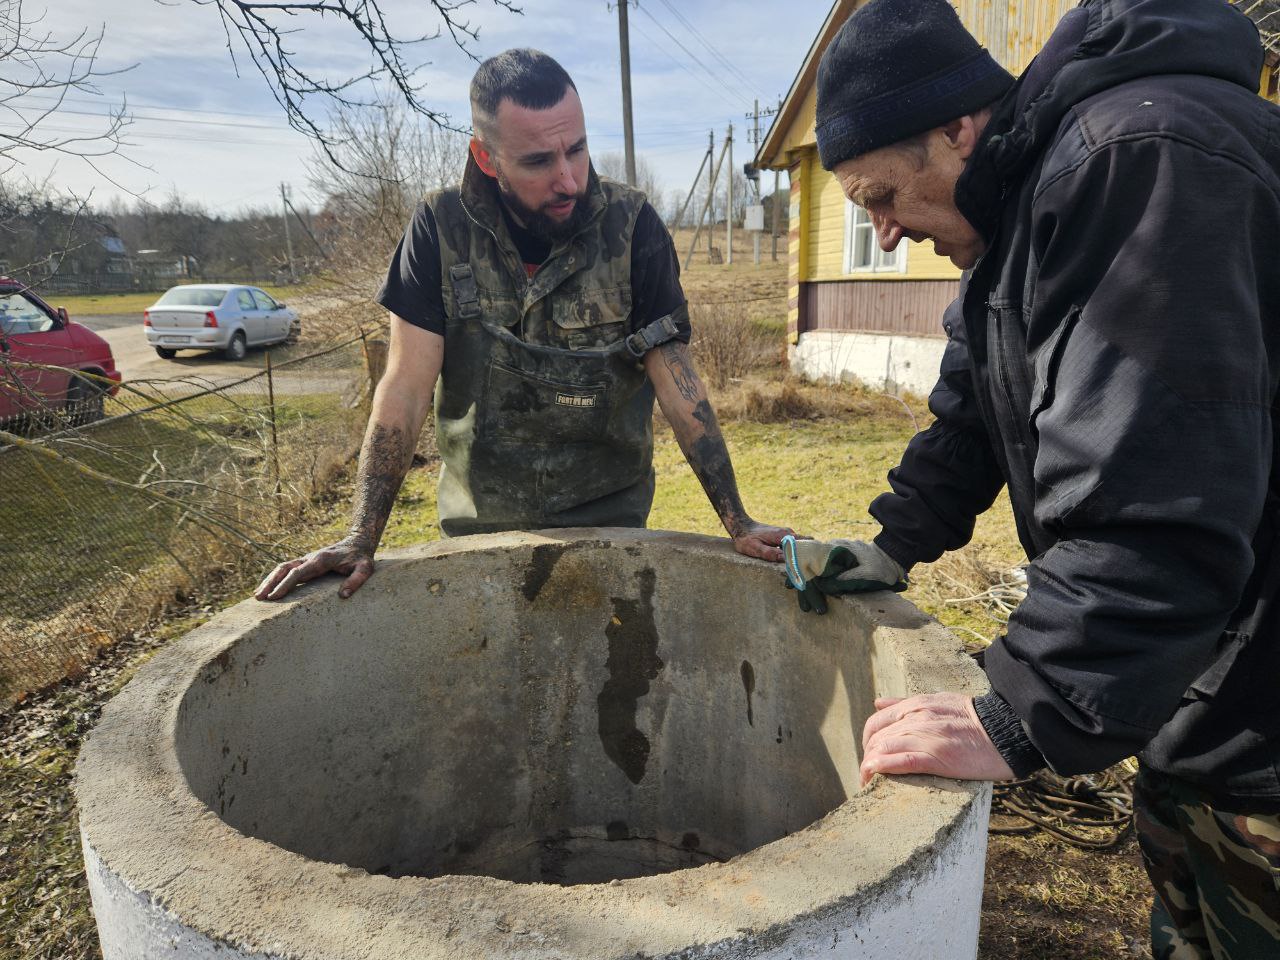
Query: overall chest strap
{"type": "Point", "coordinates": [655, 334]}
{"type": "Point", "coordinates": [463, 281]}
{"type": "Point", "coordinates": [663, 330]}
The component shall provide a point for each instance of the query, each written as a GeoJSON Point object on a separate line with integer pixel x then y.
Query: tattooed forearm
{"type": "Point", "coordinates": [676, 356]}
{"type": "Point", "coordinates": [384, 460]}
{"type": "Point", "coordinates": [709, 457]}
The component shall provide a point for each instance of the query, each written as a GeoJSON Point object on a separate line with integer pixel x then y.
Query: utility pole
{"type": "Point", "coordinates": [706, 207]}
{"type": "Point", "coordinates": [755, 142]}
{"type": "Point", "coordinates": [755, 116]}
{"type": "Point", "coordinates": [706, 158]}
{"type": "Point", "coordinates": [712, 176]}
{"type": "Point", "coordinates": [728, 216]}
{"type": "Point", "coordinates": [288, 241]}
{"type": "Point", "coordinates": [624, 48]}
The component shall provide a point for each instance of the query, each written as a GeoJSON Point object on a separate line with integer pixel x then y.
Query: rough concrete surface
{"type": "Point", "coordinates": [566, 744]}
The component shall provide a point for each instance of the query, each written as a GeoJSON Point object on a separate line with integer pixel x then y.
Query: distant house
{"type": "Point", "coordinates": [855, 311]}
{"type": "Point", "coordinates": [165, 265]}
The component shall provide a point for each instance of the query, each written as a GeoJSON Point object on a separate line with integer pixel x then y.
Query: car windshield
{"type": "Point", "coordinates": [20, 315]}
{"type": "Point", "coordinates": [191, 297]}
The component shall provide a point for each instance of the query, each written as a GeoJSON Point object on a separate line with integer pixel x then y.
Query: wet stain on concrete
{"type": "Point", "coordinates": [617, 830]}
{"type": "Point", "coordinates": [749, 684]}
{"type": "Point", "coordinates": [690, 841]}
{"type": "Point", "coordinates": [555, 857]}
{"type": "Point", "coordinates": [541, 565]}
{"type": "Point", "coordinates": [633, 662]}
{"type": "Point", "coordinates": [779, 737]}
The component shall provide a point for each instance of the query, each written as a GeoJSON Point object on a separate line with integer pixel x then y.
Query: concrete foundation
{"type": "Point", "coordinates": [882, 361]}
{"type": "Point", "coordinates": [589, 744]}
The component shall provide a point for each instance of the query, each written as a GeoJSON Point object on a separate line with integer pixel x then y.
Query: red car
{"type": "Point", "coordinates": [34, 337]}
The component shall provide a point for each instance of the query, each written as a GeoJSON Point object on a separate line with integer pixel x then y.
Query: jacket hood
{"type": "Point", "coordinates": [1100, 45]}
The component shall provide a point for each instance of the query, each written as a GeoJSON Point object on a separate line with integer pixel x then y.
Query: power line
{"type": "Point", "coordinates": [693, 56]}
{"type": "Point", "coordinates": [667, 53]}
{"type": "Point", "coordinates": [98, 101]}
{"type": "Point", "coordinates": [129, 116]}
{"type": "Point", "coordinates": [710, 47]}
{"type": "Point", "coordinates": [127, 136]}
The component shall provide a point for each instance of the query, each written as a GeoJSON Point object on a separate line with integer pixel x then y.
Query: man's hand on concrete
{"type": "Point", "coordinates": [760, 540]}
{"type": "Point", "coordinates": [935, 733]}
{"type": "Point", "coordinates": [349, 556]}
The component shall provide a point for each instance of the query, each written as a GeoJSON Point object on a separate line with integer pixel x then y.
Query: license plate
{"type": "Point", "coordinates": [175, 339]}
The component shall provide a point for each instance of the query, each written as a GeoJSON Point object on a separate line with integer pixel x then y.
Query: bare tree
{"type": "Point", "coordinates": [382, 161]}
{"type": "Point", "coordinates": [39, 71]}
{"type": "Point", "coordinates": [263, 28]}
{"type": "Point", "coordinates": [613, 165]}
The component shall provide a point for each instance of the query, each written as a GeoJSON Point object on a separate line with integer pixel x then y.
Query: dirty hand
{"type": "Point", "coordinates": [349, 556]}
{"type": "Point", "coordinates": [935, 733]}
{"type": "Point", "coordinates": [759, 540]}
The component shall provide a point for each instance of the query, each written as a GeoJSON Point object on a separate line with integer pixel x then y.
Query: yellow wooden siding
{"type": "Point", "coordinates": [802, 131]}
{"type": "Point", "coordinates": [826, 224]}
{"type": "Point", "coordinates": [924, 264]}
{"type": "Point", "coordinates": [1013, 31]}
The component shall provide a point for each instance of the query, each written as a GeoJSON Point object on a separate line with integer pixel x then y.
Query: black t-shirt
{"type": "Point", "coordinates": [412, 288]}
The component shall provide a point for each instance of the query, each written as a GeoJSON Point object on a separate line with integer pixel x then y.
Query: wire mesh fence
{"type": "Point", "coordinates": [184, 480]}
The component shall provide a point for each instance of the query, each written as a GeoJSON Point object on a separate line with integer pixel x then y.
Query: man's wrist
{"type": "Point", "coordinates": [360, 540]}
{"type": "Point", "coordinates": [1004, 727]}
{"type": "Point", "coordinates": [895, 550]}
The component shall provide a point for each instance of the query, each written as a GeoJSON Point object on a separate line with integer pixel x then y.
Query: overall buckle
{"type": "Point", "coordinates": [463, 281]}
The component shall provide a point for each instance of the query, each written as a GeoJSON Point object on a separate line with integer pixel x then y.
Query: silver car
{"type": "Point", "coordinates": [217, 316]}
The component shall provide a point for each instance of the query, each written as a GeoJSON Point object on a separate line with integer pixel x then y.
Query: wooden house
{"type": "Point", "coordinates": [853, 310]}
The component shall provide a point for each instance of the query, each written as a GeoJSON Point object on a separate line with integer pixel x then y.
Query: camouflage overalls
{"type": "Point", "coordinates": [544, 414]}
{"type": "Point", "coordinates": [1216, 875]}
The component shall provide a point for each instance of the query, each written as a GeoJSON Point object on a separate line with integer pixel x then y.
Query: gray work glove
{"type": "Point", "coordinates": [816, 568]}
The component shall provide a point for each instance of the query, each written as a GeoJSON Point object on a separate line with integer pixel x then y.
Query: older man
{"type": "Point", "coordinates": [547, 303]}
{"type": "Point", "coordinates": [1113, 360]}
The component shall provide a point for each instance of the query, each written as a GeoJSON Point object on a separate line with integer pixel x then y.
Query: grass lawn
{"type": "Point", "coordinates": [815, 476]}
{"type": "Point", "coordinates": [84, 556]}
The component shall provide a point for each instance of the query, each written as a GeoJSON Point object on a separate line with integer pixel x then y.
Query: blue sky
{"type": "Point", "coordinates": [220, 138]}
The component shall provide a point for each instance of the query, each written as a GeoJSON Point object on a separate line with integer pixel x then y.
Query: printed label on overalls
{"type": "Point", "coordinates": [571, 400]}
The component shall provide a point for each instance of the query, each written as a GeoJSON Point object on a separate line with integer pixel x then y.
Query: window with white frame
{"type": "Point", "coordinates": [861, 252]}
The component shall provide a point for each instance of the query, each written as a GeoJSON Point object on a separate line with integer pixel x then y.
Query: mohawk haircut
{"type": "Point", "coordinates": [529, 78]}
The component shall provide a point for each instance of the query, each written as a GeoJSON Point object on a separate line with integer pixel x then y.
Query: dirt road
{"type": "Point", "coordinates": [137, 360]}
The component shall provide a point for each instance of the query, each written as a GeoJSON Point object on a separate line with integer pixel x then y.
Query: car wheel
{"type": "Point", "coordinates": [164, 353]}
{"type": "Point", "coordinates": [85, 402]}
{"type": "Point", "coordinates": [236, 349]}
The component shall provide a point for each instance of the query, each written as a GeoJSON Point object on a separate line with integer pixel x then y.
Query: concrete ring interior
{"type": "Point", "coordinates": [563, 744]}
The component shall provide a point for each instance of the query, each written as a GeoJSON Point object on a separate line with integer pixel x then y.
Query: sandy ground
{"type": "Point", "coordinates": [137, 360]}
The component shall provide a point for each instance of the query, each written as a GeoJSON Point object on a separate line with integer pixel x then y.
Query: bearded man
{"type": "Point", "coordinates": [542, 306]}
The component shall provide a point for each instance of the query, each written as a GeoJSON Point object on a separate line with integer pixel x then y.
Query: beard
{"type": "Point", "coordinates": [537, 221]}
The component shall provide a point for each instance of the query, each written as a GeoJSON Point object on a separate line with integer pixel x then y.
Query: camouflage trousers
{"type": "Point", "coordinates": [1216, 875]}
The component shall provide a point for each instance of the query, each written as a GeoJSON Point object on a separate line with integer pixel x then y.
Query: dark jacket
{"type": "Point", "coordinates": [1113, 358]}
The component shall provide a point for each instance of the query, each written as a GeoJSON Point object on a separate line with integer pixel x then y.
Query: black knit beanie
{"type": "Point", "coordinates": [898, 68]}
